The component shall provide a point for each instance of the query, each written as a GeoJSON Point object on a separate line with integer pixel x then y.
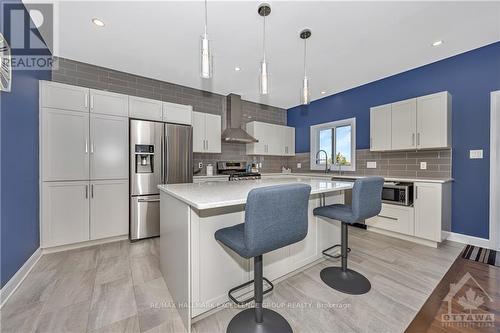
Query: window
{"type": "Point", "coordinates": [338, 140]}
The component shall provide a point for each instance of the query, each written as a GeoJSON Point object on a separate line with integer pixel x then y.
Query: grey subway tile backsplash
{"type": "Point", "coordinates": [90, 76]}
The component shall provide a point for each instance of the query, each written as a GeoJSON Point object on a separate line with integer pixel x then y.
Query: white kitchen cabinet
{"type": "Point", "coordinates": [273, 139]}
{"type": "Point", "coordinates": [206, 133]}
{"type": "Point", "coordinates": [434, 121]}
{"type": "Point", "coordinates": [145, 108]}
{"type": "Point", "coordinates": [428, 203]}
{"type": "Point", "coordinates": [394, 218]}
{"type": "Point", "coordinates": [110, 103]}
{"type": "Point", "coordinates": [65, 145]}
{"type": "Point", "coordinates": [380, 128]}
{"type": "Point", "coordinates": [289, 141]}
{"type": "Point", "coordinates": [65, 212]}
{"type": "Point", "coordinates": [177, 113]}
{"type": "Point", "coordinates": [418, 123]}
{"type": "Point", "coordinates": [64, 96]}
{"type": "Point", "coordinates": [108, 147]}
{"type": "Point", "coordinates": [109, 208]}
{"type": "Point", "coordinates": [404, 118]}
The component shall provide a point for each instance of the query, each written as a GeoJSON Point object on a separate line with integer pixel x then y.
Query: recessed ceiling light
{"type": "Point", "coordinates": [98, 22]}
{"type": "Point", "coordinates": [437, 43]}
{"type": "Point", "coordinates": [237, 69]}
{"type": "Point", "coordinates": [323, 92]}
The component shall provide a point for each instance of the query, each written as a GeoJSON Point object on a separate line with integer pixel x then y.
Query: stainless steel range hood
{"type": "Point", "coordinates": [233, 132]}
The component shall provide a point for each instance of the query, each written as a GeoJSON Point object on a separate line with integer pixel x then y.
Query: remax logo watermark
{"type": "Point", "coordinates": [29, 30]}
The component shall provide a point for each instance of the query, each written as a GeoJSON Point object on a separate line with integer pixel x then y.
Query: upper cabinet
{"type": "Point", "coordinates": [206, 133]}
{"type": "Point", "coordinates": [64, 96]}
{"type": "Point", "coordinates": [380, 128]}
{"type": "Point", "coordinates": [177, 113]}
{"type": "Point", "coordinates": [105, 102]}
{"type": "Point", "coordinates": [434, 121]}
{"type": "Point", "coordinates": [145, 108]}
{"type": "Point", "coordinates": [273, 139]}
{"type": "Point", "coordinates": [404, 123]}
{"type": "Point", "coordinates": [417, 123]}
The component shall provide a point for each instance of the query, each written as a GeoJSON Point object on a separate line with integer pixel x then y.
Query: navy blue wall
{"type": "Point", "coordinates": [469, 77]}
{"type": "Point", "coordinates": [19, 226]}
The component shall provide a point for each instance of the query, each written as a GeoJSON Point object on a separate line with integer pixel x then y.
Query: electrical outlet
{"type": "Point", "coordinates": [200, 165]}
{"type": "Point", "coordinates": [299, 165]}
{"type": "Point", "coordinates": [476, 154]}
{"type": "Point", "coordinates": [423, 165]}
{"type": "Point", "coordinates": [371, 165]}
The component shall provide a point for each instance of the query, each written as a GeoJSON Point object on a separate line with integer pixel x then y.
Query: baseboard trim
{"type": "Point", "coordinates": [409, 238]}
{"type": "Point", "coordinates": [83, 244]}
{"type": "Point", "coordinates": [15, 281]}
{"type": "Point", "coordinates": [466, 239]}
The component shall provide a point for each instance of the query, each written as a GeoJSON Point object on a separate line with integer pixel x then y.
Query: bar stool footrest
{"type": "Point", "coordinates": [324, 252]}
{"type": "Point", "coordinates": [244, 285]}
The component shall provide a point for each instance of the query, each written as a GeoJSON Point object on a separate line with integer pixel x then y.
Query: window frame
{"type": "Point", "coordinates": [314, 132]}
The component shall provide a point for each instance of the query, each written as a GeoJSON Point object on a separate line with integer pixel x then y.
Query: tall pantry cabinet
{"type": "Point", "coordinates": [84, 164]}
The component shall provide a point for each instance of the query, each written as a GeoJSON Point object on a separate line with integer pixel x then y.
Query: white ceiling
{"type": "Point", "coordinates": [352, 43]}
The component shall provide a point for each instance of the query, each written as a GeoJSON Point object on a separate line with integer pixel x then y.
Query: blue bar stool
{"type": "Point", "coordinates": [366, 203]}
{"type": "Point", "coordinates": [275, 216]}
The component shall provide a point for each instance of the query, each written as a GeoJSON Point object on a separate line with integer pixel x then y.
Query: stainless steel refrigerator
{"type": "Point", "coordinates": [160, 153]}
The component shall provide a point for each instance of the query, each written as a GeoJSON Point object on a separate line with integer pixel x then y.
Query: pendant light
{"type": "Point", "coordinates": [305, 94]}
{"type": "Point", "coordinates": [205, 52]}
{"type": "Point", "coordinates": [264, 10]}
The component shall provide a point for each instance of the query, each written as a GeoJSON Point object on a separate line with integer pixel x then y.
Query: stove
{"type": "Point", "coordinates": [236, 171]}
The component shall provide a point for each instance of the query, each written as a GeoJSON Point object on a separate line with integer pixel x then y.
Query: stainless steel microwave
{"type": "Point", "coordinates": [398, 193]}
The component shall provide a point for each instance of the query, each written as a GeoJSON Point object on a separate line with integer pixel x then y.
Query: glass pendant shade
{"type": "Point", "coordinates": [264, 77]}
{"type": "Point", "coordinates": [305, 95]}
{"type": "Point", "coordinates": [205, 57]}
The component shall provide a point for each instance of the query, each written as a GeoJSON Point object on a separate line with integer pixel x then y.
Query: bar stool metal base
{"type": "Point", "coordinates": [244, 322]}
{"type": "Point", "coordinates": [349, 282]}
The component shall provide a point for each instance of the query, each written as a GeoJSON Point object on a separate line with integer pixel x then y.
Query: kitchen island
{"type": "Point", "coordinates": [198, 270]}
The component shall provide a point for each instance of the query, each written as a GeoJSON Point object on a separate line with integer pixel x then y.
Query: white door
{"type": "Point", "coordinates": [213, 133]}
{"type": "Point", "coordinates": [198, 132]}
{"type": "Point", "coordinates": [404, 115]}
{"type": "Point", "coordinates": [274, 138]}
{"type": "Point", "coordinates": [177, 113]}
{"type": "Point", "coordinates": [144, 108]}
{"type": "Point", "coordinates": [65, 213]}
{"type": "Point", "coordinates": [65, 145]}
{"type": "Point", "coordinates": [256, 130]}
{"type": "Point", "coordinates": [380, 128]}
{"type": "Point", "coordinates": [427, 204]}
{"type": "Point", "coordinates": [109, 147]}
{"type": "Point", "coordinates": [109, 208]}
{"type": "Point", "coordinates": [64, 96]}
{"type": "Point", "coordinates": [105, 102]}
{"type": "Point", "coordinates": [495, 171]}
{"type": "Point", "coordinates": [432, 121]}
{"type": "Point", "coordinates": [289, 141]}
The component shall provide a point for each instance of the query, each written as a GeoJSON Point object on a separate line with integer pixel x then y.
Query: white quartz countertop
{"type": "Point", "coordinates": [390, 179]}
{"type": "Point", "coordinates": [214, 194]}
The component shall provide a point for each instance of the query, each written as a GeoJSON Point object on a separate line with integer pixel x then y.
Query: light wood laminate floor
{"type": "Point", "coordinates": [118, 287]}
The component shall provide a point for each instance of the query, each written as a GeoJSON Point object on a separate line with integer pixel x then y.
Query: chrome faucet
{"type": "Point", "coordinates": [327, 168]}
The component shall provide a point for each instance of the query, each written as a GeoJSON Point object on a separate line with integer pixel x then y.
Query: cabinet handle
{"type": "Point", "coordinates": [92, 102]}
{"type": "Point", "coordinates": [413, 139]}
{"type": "Point", "coordinates": [86, 146]}
{"type": "Point", "coordinates": [86, 191]}
{"type": "Point", "coordinates": [86, 100]}
{"type": "Point", "coordinates": [388, 217]}
{"type": "Point", "coordinates": [416, 192]}
{"type": "Point", "coordinates": [418, 139]}
{"type": "Point", "coordinates": [207, 144]}
{"type": "Point", "coordinates": [92, 191]}
{"type": "Point", "coordinates": [92, 148]}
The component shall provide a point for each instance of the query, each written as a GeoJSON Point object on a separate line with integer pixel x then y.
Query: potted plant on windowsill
{"type": "Point", "coordinates": [340, 160]}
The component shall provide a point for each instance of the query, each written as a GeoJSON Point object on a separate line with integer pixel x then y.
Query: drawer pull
{"type": "Point", "coordinates": [388, 217]}
{"type": "Point", "coordinates": [148, 200]}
